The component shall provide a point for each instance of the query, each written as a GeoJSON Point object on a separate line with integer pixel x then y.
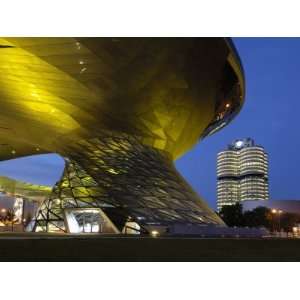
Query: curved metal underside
{"type": "Point", "coordinates": [167, 91]}
{"type": "Point", "coordinates": [162, 94]}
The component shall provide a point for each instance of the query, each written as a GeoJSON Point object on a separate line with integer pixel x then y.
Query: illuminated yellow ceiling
{"type": "Point", "coordinates": [167, 91]}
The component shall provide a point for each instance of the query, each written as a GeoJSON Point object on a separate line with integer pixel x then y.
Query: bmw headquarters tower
{"type": "Point", "coordinates": [242, 172]}
{"type": "Point", "coordinates": [120, 111]}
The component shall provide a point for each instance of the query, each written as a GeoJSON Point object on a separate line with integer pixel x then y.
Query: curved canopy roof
{"type": "Point", "coordinates": [170, 92]}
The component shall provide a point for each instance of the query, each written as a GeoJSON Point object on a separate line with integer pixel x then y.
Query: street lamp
{"type": "Point", "coordinates": [295, 231]}
{"type": "Point", "coordinates": [2, 216]}
{"type": "Point", "coordinates": [24, 224]}
{"type": "Point", "coordinates": [274, 211]}
{"type": "Point", "coordinates": [154, 233]}
{"type": "Point", "coordinates": [277, 212]}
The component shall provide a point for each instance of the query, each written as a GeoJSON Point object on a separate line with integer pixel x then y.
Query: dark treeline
{"type": "Point", "coordinates": [233, 215]}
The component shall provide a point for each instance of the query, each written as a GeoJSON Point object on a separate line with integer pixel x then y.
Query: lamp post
{"type": "Point", "coordinates": [3, 212]}
{"type": "Point", "coordinates": [277, 212]}
{"type": "Point", "coordinates": [274, 211]}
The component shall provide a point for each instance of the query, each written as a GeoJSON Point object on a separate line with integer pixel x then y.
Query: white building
{"type": "Point", "coordinates": [242, 173]}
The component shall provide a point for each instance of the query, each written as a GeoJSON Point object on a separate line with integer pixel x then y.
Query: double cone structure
{"type": "Point", "coordinates": [120, 110]}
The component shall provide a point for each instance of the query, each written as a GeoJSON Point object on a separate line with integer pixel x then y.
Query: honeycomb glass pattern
{"type": "Point", "coordinates": [76, 189]}
{"type": "Point", "coordinates": [129, 179]}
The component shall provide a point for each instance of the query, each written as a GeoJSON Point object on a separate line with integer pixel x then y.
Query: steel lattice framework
{"type": "Point", "coordinates": [127, 179]}
{"type": "Point", "coordinates": [76, 189]}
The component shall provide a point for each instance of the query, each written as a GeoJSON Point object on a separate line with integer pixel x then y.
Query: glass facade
{"type": "Point", "coordinates": [88, 220]}
{"type": "Point", "coordinates": [242, 173]}
{"type": "Point", "coordinates": [137, 184]}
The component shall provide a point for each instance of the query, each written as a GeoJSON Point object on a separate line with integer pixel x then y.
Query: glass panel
{"type": "Point", "coordinates": [88, 220]}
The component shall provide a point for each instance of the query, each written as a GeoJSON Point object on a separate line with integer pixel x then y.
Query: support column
{"type": "Point", "coordinates": [129, 181]}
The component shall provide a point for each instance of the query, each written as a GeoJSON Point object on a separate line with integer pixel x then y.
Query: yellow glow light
{"type": "Point", "coordinates": [154, 233]}
{"type": "Point", "coordinates": [112, 171]}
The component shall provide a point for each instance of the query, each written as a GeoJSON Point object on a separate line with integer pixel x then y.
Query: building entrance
{"type": "Point", "coordinates": [88, 220]}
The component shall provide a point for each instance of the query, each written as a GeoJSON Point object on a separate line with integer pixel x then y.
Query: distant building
{"type": "Point", "coordinates": [242, 173]}
{"type": "Point", "coordinates": [23, 208]}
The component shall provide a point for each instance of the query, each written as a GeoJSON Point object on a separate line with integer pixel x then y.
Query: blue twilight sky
{"type": "Point", "coordinates": [270, 116]}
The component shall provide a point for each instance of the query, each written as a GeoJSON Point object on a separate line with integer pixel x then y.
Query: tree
{"type": "Point", "coordinates": [258, 217]}
{"type": "Point", "coordinates": [232, 215]}
{"type": "Point", "coordinates": [288, 221]}
{"type": "Point", "coordinates": [261, 216]}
